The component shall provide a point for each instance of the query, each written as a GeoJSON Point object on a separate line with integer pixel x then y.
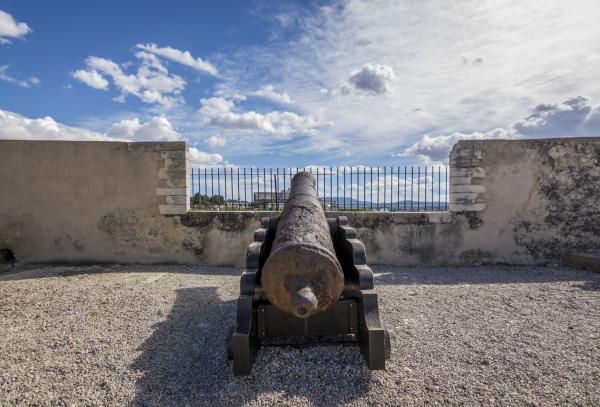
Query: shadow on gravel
{"type": "Point", "coordinates": [483, 275]}
{"type": "Point", "coordinates": [184, 363]}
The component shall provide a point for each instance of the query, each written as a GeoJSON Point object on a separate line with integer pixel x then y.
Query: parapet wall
{"type": "Point", "coordinates": [59, 198]}
{"type": "Point", "coordinates": [528, 201]}
{"type": "Point", "coordinates": [514, 202]}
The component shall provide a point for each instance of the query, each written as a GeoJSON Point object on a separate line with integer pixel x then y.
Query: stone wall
{"type": "Point", "coordinates": [514, 202]}
{"type": "Point", "coordinates": [529, 201]}
{"type": "Point", "coordinates": [60, 199]}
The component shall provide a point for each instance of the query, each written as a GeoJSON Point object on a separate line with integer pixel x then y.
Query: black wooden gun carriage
{"type": "Point", "coordinates": [306, 278]}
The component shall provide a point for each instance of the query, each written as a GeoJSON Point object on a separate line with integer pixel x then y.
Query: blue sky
{"type": "Point", "coordinates": [300, 83]}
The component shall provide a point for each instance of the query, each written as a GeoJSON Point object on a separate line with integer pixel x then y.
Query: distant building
{"type": "Point", "coordinates": [270, 198]}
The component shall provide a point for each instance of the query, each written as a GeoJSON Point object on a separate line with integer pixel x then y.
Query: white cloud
{"type": "Point", "coordinates": [91, 78]}
{"type": "Point", "coordinates": [13, 126]}
{"type": "Point", "coordinates": [182, 57]}
{"type": "Point", "coordinates": [216, 141]}
{"type": "Point", "coordinates": [151, 83]}
{"type": "Point", "coordinates": [16, 127]}
{"type": "Point", "coordinates": [24, 83]}
{"type": "Point", "coordinates": [203, 159]}
{"type": "Point", "coordinates": [9, 28]}
{"type": "Point", "coordinates": [268, 92]}
{"type": "Point", "coordinates": [432, 150]}
{"type": "Point", "coordinates": [373, 78]}
{"type": "Point", "coordinates": [219, 112]}
{"type": "Point", "coordinates": [156, 129]}
{"type": "Point", "coordinates": [572, 117]}
{"type": "Point", "coordinates": [575, 116]}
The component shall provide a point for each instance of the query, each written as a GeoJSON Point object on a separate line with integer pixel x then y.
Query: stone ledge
{"type": "Point", "coordinates": [176, 199]}
{"type": "Point", "coordinates": [173, 209]}
{"type": "Point", "coordinates": [460, 181]}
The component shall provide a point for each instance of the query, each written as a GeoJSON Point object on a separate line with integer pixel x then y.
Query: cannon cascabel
{"type": "Point", "coordinates": [302, 275]}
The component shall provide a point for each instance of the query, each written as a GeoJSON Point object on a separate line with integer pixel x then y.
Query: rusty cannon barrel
{"type": "Point", "coordinates": [302, 275]}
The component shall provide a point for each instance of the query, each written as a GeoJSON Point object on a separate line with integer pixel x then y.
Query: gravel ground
{"type": "Point", "coordinates": [154, 335]}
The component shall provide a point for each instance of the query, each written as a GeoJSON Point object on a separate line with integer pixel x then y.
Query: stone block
{"type": "Point", "coordinates": [176, 199]}
{"type": "Point", "coordinates": [173, 209]}
{"type": "Point", "coordinates": [460, 181]}
{"type": "Point", "coordinates": [172, 191]}
{"type": "Point", "coordinates": [475, 172]}
{"type": "Point", "coordinates": [475, 207]}
{"type": "Point", "coordinates": [454, 188]}
{"type": "Point", "coordinates": [164, 173]}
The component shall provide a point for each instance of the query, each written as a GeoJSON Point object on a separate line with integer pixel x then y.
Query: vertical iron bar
{"type": "Point", "coordinates": [391, 188]}
{"type": "Point", "coordinates": [212, 186]}
{"type": "Point", "coordinates": [412, 186]}
{"type": "Point", "coordinates": [285, 171]}
{"type": "Point", "coordinates": [371, 190]}
{"type": "Point", "coordinates": [324, 186]}
{"type": "Point", "coordinates": [258, 183]}
{"type": "Point", "coordinates": [350, 187]}
{"type": "Point", "coordinates": [418, 188]}
{"type": "Point", "coordinates": [265, 187]}
{"type": "Point", "coordinates": [245, 189]}
{"type": "Point", "coordinates": [378, 188]}
{"type": "Point", "coordinates": [425, 189]}
{"type": "Point", "coordinates": [398, 180]}
{"type": "Point", "coordinates": [364, 189]}
{"type": "Point", "coordinates": [384, 184]}
{"type": "Point", "coordinates": [331, 188]}
{"type": "Point", "coordinates": [404, 206]}
{"type": "Point", "coordinates": [277, 190]}
{"type": "Point", "coordinates": [432, 176]}
{"type": "Point", "coordinates": [344, 187]}
{"type": "Point", "coordinates": [337, 187]}
{"type": "Point", "coordinates": [252, 187]}
{"type": "Point", "coordinates": [205, 187]}
{"type": "Point", "coordinates": [439, 188]}
{"type": "Point", "coordinates": [231, 173]}
{"type": "Point", "coordinates": [219, 185]}
{"type": "Point", "coordinates": [225, 187]}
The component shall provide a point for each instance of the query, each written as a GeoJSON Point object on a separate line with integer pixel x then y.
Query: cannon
{"type": "Point", "coordinates": [306, 280]}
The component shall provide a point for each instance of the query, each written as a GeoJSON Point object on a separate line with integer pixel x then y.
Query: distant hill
{"type": "Point", "coordinates": [348, 203]}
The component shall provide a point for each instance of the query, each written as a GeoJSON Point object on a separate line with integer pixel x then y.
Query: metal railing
{"type": "Point", "coordinates": [392, 189]}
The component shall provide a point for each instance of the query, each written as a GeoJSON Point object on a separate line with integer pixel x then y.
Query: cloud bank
{"type": "Point", "coordinates": [575, 116]}
{"type": "Point", "coordinates": [13, 126]}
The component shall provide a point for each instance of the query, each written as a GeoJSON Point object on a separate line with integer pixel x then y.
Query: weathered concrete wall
{"type": "Point", "coordinates": [531, 200]}
{"type": "Point", "coordinates": [64, 200]}
{"type": "Point", "coordinates": [516, 202]}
